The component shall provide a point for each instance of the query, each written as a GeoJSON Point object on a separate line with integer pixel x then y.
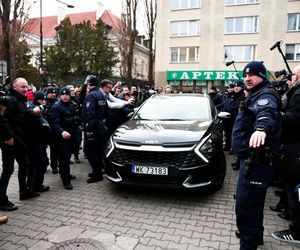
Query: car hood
{"type": "Point", "coordinates": [166, 133]}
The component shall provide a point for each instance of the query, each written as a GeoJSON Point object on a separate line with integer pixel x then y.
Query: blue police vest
{"type": "Point", "coordinates": [94, 109]}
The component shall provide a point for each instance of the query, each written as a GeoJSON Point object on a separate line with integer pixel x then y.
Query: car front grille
{"type": "Point", "coordinates": [186, 159]}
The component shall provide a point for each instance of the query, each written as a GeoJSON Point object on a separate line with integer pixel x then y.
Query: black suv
{"type": "Point", "coordinates": [172, 141]}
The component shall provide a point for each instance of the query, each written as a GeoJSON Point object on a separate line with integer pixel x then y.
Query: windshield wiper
{"type": "Point", "coordinates": [170, 120]}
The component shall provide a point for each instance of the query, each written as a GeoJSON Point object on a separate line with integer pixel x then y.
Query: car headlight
{"type": "Point", "coordinates": [205, 148]}
{"type": "Point", "coordinates": [109, 147]}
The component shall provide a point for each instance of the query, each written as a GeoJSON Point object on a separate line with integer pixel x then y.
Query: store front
{"type": "Point", "coordinates": [201, 81]}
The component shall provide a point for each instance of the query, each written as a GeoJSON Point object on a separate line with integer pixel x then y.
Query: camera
{"type": "Point", "coordinates": [281, 86]}
{"type": "Point", "coordinates": [280, 73]}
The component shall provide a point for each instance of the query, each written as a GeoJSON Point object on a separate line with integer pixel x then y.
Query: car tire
{"type": "Point", "coordinates": [221, 172]}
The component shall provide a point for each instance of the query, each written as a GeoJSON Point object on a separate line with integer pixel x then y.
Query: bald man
{"type": "Point", "coordinates": [14, 147]}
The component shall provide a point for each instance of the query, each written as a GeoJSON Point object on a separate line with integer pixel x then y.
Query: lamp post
{"type": "Point", "coordinates": [41, 41]}
{"type": "Point", "coordinates": [41, 36]}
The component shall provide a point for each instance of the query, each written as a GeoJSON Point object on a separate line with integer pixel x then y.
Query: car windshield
{"type": "Point", "coordinates": [175, 108]}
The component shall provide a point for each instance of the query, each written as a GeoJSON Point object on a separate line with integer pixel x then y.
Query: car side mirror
{"type": "Point", "coordinates": [224, 115]}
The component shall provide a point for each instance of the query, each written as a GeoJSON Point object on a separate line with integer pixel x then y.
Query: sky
{"type": "Point", "coordinates": [50, 7]}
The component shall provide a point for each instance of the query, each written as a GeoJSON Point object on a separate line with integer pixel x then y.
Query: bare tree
{"type": "Point", "coordinates": [12, 16]}
{"type": "Point", "coordinates": [151, 14]}
{"type": "Point", "coordinates": [127, 38]}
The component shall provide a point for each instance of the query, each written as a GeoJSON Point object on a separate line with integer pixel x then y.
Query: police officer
{"type": "Point", "coordinates": [63, 125]}
{"type": "Point", "coordinates": [95, 108]}
{"type": "Point", "coordinates": [237, 98]}
{"type": "Point", "coordinates": [37, 144]}
{"type": "Point", "coordinates": [18, 118]}
{"type": "Point", "coordinates": [95, 130]}
{"type": "Point", "coordinates": [51, 98]}
{"type": "Point", "coordinates": [256, 141]}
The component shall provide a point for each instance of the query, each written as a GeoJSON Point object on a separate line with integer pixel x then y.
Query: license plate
{"type": "Point", "coordinates": [149, 170]}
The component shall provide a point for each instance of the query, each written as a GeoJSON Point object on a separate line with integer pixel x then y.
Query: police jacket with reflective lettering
{"type": "Point", "coordinates": [259, 111]}
{"type": "Point", "coordinates": [94, 109]}
{"type": "Point", "coordinates": [62, 118]}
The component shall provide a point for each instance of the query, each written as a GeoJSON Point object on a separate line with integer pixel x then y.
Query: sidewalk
{"type": "Point", "coordinates": [129, 218]}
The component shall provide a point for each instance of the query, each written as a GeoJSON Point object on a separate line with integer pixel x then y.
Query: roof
{"type": "Point", "coordinates": [51, 22]}
{"type": "Point", "coordinates": [77, 18]}
{"type": "Point", "coordinates": [112, 20]}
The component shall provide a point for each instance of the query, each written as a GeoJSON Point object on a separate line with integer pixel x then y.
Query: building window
{"type": "Point", "coordinates": [238, 2]}
{"type": "Point", "coordinates": [185, 54]}
{"type": "Point", "coordinates": [294, 22]}
{"type": "Point", "coordinates": [185, 4]}
{"type": "Point", "coordinates": [237, 25]}
{"type": "Point", "coordinates": [135, 66]}
{"type": "Point", "coordinates": [185, 28]}
{"type": "Point", "coordinates": [142, 67]}
{"type": "Point", "coordinates": [239, 53]}
{"type": "Point", "coordinates": [293, 52]}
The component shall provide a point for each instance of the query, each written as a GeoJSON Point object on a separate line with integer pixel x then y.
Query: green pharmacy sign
{"type": "Point", "coordinates": [204, 75]}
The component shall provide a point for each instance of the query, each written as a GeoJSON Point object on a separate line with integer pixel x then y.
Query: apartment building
{"type": "Point", "coordinates": [197, 38]}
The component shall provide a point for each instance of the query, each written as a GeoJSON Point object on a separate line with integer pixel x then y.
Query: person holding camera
{"type": "Point", "coordinates": [256, 142]}
{"type": "Point", "coordinates": [40, 136]}
{"type": "Point", "coordinates": [291, 146]}
{"type": "Point", "coordinates": [18, 118]}
{"type": "Point", "coordinates": [62, 122]}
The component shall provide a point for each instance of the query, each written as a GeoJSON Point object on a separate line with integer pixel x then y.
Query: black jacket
{"type": "Point", "coordinates": [40, 129]}
{"type": "Point", "coordinates": [19, 117]}
{"type": "Point", "coordinates": [94, 111]}
{"type": "Point", "coordinates": [62, 118]}
{"type": "Point", "coordinates": [6, 132]}
{"type": "Point", "coordinates": [261, 111]}
{"type": "Point", "coordinates": [291, 116]}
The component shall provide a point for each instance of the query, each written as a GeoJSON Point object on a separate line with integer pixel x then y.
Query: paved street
{"type": "Point", "coordinates": [129, 218]}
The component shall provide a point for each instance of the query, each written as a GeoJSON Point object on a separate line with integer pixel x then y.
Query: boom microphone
{"type": "Point", "coordinates": [229, 63]}
{"type": "Point", "coordinates": [275, 45]}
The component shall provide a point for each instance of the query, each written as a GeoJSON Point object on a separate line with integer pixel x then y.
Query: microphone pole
{"type": "Point", "coordinates": [232, 62]}
{"type": "Point", "coordinates": [277, 45]}
{"type": "Point", "coordinates": [236, 70]}
{"type": "Point", "coordinates": [285, 61]}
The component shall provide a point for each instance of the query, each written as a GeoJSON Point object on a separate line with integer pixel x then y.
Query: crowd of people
{"type": "Point", "coordinates": [261, 131]}
{"type": "Point", "coordinates": [261, 126]}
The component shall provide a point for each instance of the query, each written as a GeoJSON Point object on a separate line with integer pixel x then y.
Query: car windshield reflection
{"type": "Point", "coordinates": [168, 108]}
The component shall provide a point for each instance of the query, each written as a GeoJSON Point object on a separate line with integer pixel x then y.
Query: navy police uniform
{"type": "Point", "coordinates": [259, 112]}
{"type": "Point", "coordinates": [53, 150]}
{"type": "Point", "coordinates": [94, 109]}
{"type": "Point", "coordinates": [37, 147]}
{"type": "Point", "coordinates": [62, 118]}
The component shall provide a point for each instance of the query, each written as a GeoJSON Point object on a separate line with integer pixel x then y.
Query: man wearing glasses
{"type": "Point", "coordinates": [94, 110]}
